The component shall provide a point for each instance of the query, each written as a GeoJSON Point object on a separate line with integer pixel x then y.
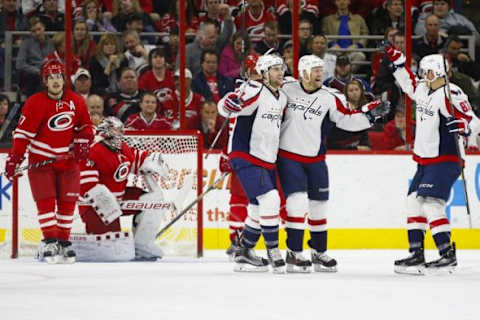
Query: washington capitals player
{"type": "Point", "coordinates": [435, 152]}
{"type": "Point", "coordinates": [310, 112]}
{"type": "Point", "coordinates": [53, 123]}
{"type": "Point", "coordinates": [253, 145]}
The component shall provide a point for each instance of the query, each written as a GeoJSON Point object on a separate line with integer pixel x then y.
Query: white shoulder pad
{"type": "Point", "coordinates": [336, 94]}
{"type": "Point", "coordinates": [250, 89]}
{"type": "Point", "coordinates": [288, 79]}
{"type": "Point", "coordinates": [104, 202]}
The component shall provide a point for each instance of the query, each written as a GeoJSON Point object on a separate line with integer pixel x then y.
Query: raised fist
{"type": "Point", "coordinates": [395, 55]}
{"type": "Point", "coordinates": [232, 103]}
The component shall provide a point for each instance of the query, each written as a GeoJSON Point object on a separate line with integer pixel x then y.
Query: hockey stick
{"type": "Point", "coordinates": [11, 114]}
{"type": "Point", "coordinates": [38, 164]}
{"type": "Point", "coordinates": [457, 147]}
{"type": "Point", "coordinates": [194, 202]}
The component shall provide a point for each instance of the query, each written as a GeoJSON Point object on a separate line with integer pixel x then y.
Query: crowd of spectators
{"type": "Point", "coordinates": [134, 76]}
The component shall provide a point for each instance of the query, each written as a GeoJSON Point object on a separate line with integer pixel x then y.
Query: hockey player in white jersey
{"type": "Point", "coordinates": [435, 151]}
{"type": "Point", "coordinates": [311, 110]}
{"type": "Point", "coordinates": [257, 108]}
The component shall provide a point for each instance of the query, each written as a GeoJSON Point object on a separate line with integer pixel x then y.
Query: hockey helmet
{"type": "Point", "coordinates": [111, 129]}
{"type": "Point", "coordinates": [52, 67]}
{"type": "Point", "coordinates": [307, 63]}
{"type": "Point", "coordinates": [268, 60]}
{"type": "Point", "coordinates": [435, 63]}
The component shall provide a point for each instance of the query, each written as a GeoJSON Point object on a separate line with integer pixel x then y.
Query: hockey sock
{"type": "Point", "coordinates": [47, 218]}
{"type": "Point", "coordinates": [270, 234]}
{"type": "Point", "coordinates": [295, 239]}
{"type": "Point", "coordinates": [250, 236]}
{"type": "Point", "coordinates": [416, 239]}
{"type": "Point", "coordinates": [318, 241]}
{"type": "Point", "coordinates": [65, 219]}
{"type": "Point", "coordinates": [442, 241]}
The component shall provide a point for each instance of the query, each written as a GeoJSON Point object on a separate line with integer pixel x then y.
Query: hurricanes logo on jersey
{"type": "Point", "coordinates": [61, 121]}
{"type": "Point", "coordinates": [122, 172]}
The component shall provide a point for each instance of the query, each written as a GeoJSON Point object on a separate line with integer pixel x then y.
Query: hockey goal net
{"type": "Point", "coordinates": [181, 150]}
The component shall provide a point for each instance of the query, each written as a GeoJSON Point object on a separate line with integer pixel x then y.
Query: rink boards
{"type": "Point", "coordinates": [366, 207]}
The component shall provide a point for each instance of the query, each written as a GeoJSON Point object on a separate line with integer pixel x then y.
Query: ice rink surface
{"type": "Point", "coordinates": [185, 288]}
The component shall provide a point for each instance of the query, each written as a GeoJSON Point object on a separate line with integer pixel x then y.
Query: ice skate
{"type": "Point", "coordinates": [48, 251]}
{"type": "Point", "coordinates": [323, 262]}
{"type": "Point", "coordinates": [276, 260]}
{"type": "Point", "coordinates": [231, 250]}
{"type": "Point", "coordinates": [413, 264]}
{"type": "Point", "coordinates": [297, 263]}
{"type": "Point", "coordinates": [247, 261]}
{"type": "Point", "coordinates": [447, 263]}
{"type": "Point", "coordinates": [66, 254]}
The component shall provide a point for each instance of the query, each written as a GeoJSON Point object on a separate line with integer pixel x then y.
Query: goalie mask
{"type": "Point", "coordinates": [435, 63]}
{"type": "Point", "coordinates": [111, 129]}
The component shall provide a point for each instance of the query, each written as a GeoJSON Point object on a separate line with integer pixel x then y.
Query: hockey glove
{"type": "Point", "coordinates": [459, 126]}
{"type": "Point", "coordinates": [81, 146]}
{"type": "Point", "coordinates": [225, 164]}
{"type": "Point", "coordinates": [232, 103]}
{"type": "Point", "coordinates": [396, 56]}
{"type": "Point", "coordinates": [12, 164]}
{"type": "Point", "coordinates": [376, 109]}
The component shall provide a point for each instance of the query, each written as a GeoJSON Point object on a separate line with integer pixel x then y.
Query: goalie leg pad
{"type": "Point", "coordinates": [148, 223]}
{"type": "Point", "coordinates": [107, 247]}
{"type": "Point", "coordinates": [104, 202]}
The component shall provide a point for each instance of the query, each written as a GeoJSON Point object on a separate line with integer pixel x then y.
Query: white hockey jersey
{"type": "Point", "coordinates": [255, 131]}
{"type": "Point", "coordinates": [433, 142]}
{"type": "Point", "coordinates": [308, 118]}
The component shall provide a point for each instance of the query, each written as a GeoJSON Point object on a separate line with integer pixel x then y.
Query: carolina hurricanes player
{"type": "Point", "coordinates": [435, 151]}
{"type": "Point", "coordinates": [54, 125]}
{"type": "Point", "coordinates": [257, 109]}
{"type": "Point", "coordinates": [103, 182]}
{"type": "Point", "coordinates": [238, 199]}
{"type": "Point", "coordinates": [311, 110]}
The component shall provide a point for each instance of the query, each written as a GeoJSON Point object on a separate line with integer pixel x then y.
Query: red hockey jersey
{"type": "Point", "coordinates": [47, 127]}
{"type": "Point", "coordinates": [163, 90]}
{"type": "Point", "coordinates": [110, 168]}
{"type": "Point", "coordinates": [254, 25]}
{"type": "Point", "coordinates": [137, 121]}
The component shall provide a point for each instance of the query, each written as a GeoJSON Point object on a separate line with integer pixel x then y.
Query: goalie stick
{"type": "Point", "coordinates": [457, 147]}
{"type": "Point", "coordinates": [188, 207]}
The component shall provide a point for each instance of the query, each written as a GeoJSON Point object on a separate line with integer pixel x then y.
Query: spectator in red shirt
{"type": "Point", "coordinates": [193, 100]}
{"type": "Point", "coordinates": [209, 123]}
{"type": "Point", "coordinates": [255, 17]}
{"type": "Point", "coordinates": [209, 82]}
{"type": "Point", "coordinates": [148, 118]}
{"type": "Point", "coordinates": [83, 45]}
{"type": "Point", "coordinates": [159, 79]}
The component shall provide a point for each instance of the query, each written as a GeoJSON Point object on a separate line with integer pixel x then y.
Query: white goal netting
{"type": "Point", "coordinates": [181, 151]}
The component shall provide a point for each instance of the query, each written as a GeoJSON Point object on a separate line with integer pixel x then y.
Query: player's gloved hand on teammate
{"type": "Point", "coordinates": [376, 109]}
{"type": "Point", "coordinates": [232, 103]}
{"type": "Point", "coordinates": [225, 164]}
{"type": "Point", "coordinates": [459, 126]}
{"type": "Point", "coordinates": [396, 56]}
{"type": "Point", "coordinates": [81, 146]}
{"type": "Point", "coordinates": [11, 165]}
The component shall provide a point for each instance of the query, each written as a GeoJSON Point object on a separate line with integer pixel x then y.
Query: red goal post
{"type": "Point", "coordinates": [181, 150]}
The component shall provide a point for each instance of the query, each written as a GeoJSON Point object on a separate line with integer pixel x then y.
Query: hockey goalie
{"type": "Point", "coordinates": [103, 184]}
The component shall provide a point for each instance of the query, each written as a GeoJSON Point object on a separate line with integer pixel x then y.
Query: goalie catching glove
{"type": "Point", "coordinates": [376, 110]}
{"type": "Point", "coordinates": [104, 203]}
{"type": "Point", "coordinates": [154, 164]}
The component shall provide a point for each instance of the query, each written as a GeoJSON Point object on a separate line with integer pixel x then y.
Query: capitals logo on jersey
{"type": "Point", "coordinates": [305, 105]}
{"type": "Point", "coordinates": [424, 108]}
{"type": "Point", "coordinates": [274, 114]}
